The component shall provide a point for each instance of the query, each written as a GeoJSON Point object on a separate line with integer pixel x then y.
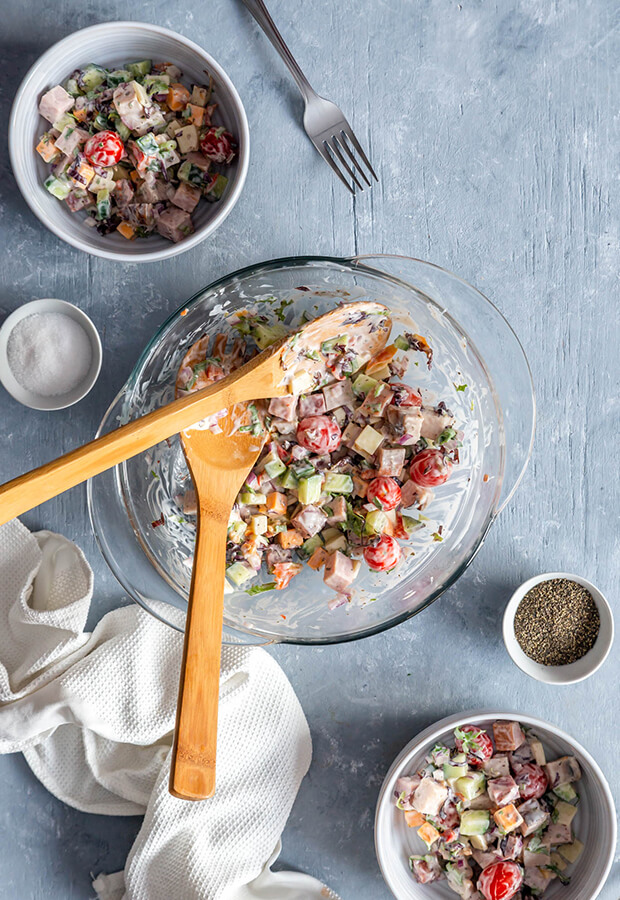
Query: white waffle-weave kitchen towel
{"type": "Point", "coordinates": [94, 713]}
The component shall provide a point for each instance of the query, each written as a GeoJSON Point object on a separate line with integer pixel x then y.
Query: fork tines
{"type": "Point", "coordinates": [338, 151]}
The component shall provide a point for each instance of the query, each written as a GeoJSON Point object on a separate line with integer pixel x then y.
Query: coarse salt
{"type": "Point", "coordinates": [49, 354]}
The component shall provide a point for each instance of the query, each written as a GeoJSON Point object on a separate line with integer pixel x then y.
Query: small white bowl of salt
{"type": "Point", "coordinates": [50, 354]}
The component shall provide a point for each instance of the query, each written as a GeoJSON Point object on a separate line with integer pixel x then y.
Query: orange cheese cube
{"type": "Point", "coordinates": [80, 114]}
{"type": "Point", "coordinates": [178, 96]}
{"type": "Point", "coordinates": [317, 560]}
{"type": "Point", "coordinates": [276, 503]}
{"type": "Point", "coordinates": [381, 359]}
{"type": "Point", "coordinates": [428, 833]}
{"type": "Point", "coordinates": [47, 149]}
{"type": "Point", "coordinates": [127, 230]}
{"type": "Point", "coordinates": [360, 486]}
{"type": "Point", "coordinates": [413, 818]}
{"type": "Point", "coordinates": [508, 818]}
{"type": "Point", "coordinates": [198, 115]}
{"type": "Point", "coordinates": [290, 538]}
{"type": "Point", "coordinates": [84, 174]}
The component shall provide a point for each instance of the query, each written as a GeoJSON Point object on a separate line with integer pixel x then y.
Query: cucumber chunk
{"type": "Point", "coordinates": [239, 573]}
{"type": "Point", "coordinates": [565, 792]}
{"type": "Point", "coordinates": [310, 489]}
{"type": "Point", "coordinates": [338, 484]}
{"type": "Point", "coordinates": [93, 76]}
{"type": "Point", "coordinates": [141, 67]}
{"type": "Point", "coordinates": [471, 785]}
{"type": "Point", "coordinates": [475, 821]}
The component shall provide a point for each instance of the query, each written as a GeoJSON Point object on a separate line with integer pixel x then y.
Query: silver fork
{"type": "Point", "coordinates": [324, 122]}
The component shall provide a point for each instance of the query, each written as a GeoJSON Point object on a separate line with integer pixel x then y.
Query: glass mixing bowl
{"type": "Point", "coordinates": [479, 369]}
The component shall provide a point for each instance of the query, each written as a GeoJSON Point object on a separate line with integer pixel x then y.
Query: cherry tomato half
{"type": "Point", "coordinates": [383, 555]}
{"type": "Point", "coordinates": [320, 434]}
{"type": "Point", "coordinates": [384, 493]}
{"type": "Point", "coordinates": [405, 396]}
{"type": "Point", "coordinates": [104, 149]}
{"type": "Point", "coordinates": [500, 881]}
{"type": "Point", "coordinates": [479, 747]}
{"type": "Point", "coordinates": [217, 145]}
{"type": "Point", "coordinates": [430, 468]}
{"type": "Point", "coordinates": [532, 781]}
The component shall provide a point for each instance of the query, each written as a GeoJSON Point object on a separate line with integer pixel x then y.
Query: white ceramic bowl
{"type": "Point", "coordinates": [595, 824]}
{"type": "Point", "coordinates": [573, 672]}
{"type": "Point", "coordinates": [60, 401]}
{"type": "Point", "coordinates": [112, 44]}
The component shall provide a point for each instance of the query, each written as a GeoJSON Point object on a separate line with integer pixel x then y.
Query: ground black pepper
{"type": "Point", "coordinates": [557, 622]}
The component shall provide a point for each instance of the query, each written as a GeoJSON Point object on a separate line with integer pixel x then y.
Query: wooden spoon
{"type": "Point", "coordinates": [219, 464]}
{"type": "Point", "coordinates": [275, 372]}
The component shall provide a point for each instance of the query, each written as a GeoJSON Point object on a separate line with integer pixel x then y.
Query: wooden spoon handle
{"type": "Point", "coordinates": [47, 481]}
{"type": "Point", "coordinates": [192, 776]}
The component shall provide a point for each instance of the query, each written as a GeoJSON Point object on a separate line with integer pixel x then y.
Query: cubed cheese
{"type": "Point", "coordinates": [187, 138]}
{"type": "Point", "coordinates": [508, 818]}
{"type": "Point", "coordinates": [368, 441]}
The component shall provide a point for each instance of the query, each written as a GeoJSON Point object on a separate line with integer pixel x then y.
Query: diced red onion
{"type": "Point", "coordinates": [338, 600]}
{"type": "Point", "coordinates": [404, 438]}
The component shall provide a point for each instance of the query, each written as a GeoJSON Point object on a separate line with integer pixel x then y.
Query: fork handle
{"type": "Point", "coordinates": [262, 16]}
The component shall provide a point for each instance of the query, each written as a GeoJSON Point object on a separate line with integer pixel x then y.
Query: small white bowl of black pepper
{"type": "Point", "coordinates": [558, 628]}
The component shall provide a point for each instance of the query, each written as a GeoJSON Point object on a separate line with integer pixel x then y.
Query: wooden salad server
{"type": "Point", "coordinates": [219, 460]}
{"type": "Point", "coordinates": [277, 371]}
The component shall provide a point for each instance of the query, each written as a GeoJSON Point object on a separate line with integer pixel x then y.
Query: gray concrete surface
{"type": "Point", "coordinates": [494, 127]}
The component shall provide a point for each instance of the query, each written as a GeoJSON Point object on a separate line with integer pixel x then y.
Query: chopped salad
{"type": "Point", "coordinates": [352, 457]}
{"type": "Point", "coordinates": [135, 148]}
{"type": "Point", "coordinates": [495, 816]}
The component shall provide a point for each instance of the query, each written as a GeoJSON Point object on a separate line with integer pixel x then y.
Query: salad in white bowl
{"type": "Point", "coordinates": [493, 806]}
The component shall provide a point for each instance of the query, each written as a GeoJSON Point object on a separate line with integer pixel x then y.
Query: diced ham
{"type": "Point", "coordinates": [426, 870]}
{"type": "Point", "coordinates": [433, 423]}
{"type": "Point", "coordinates": [312, 405]}
{"type": "Point", "coordinates": [186, 196]}
{"type": "Point", "coordinates": [197, 159]}
{"type": "Point", "coordinates": [540, 856]}
{"type": "Point", "coordinates": [275, 555]}
{"type": "Point", "coordinates": [413, 494]}
{"type": "Point", "coordinates": [508, 736]}
{"type": "Point", "coordinates": [482, 801]}
{"type": "Point", "coordinates": [406, 423]}
{"type": "Point", "coordinates": [429, 797]}
{"type": "Point", "coordinates": [71, 138]}
{"type": "Point", "coordinates": [283, 407]}
{"type": "Point", "coordinates": [406, 785]}
{"type": "Point", "coordinates": [534, 817]}
{"type": "Point", "coordinates": [340, 571]}
{"type": "Point", "coordinates": [376, 401]}
{"type": "Point", "coordinates": [309, 521]}
{"type": "Point", "coordinates": [123, 193]}
{"type": "Point", "coordinates": [503, 790]}
{"type": "Point", "coordinates": [55, 103]}
{"type": "Point", "coordinates": [174, 224]}
{"type": "Point", "coordinates": [338, 507]}
{"type": "Point", "coordinates": [351, 434]}
{"type": "Point", "coordinates": [129, 99]}
{"type": "Point", "coordinates": [538, 878]}
{"type": "Point", "coordinates": [511, 846]}
{"type": "Point", "coordinates": [564, 770]}
{"type": "Point", "coordinates": [338, 394]}
{"type": "Point", "coordinates": [78, 200]}
{"type": "Point", "coordinates": [559, 834]}
{"type": "Point", "coordinates": [391, 460]}
{"type": "Point", "coordinates": [496, 767]}
{"type": "Point", "coordinates": [486, 858]}
{"type": "Point", "coordinates": [521, 755]}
